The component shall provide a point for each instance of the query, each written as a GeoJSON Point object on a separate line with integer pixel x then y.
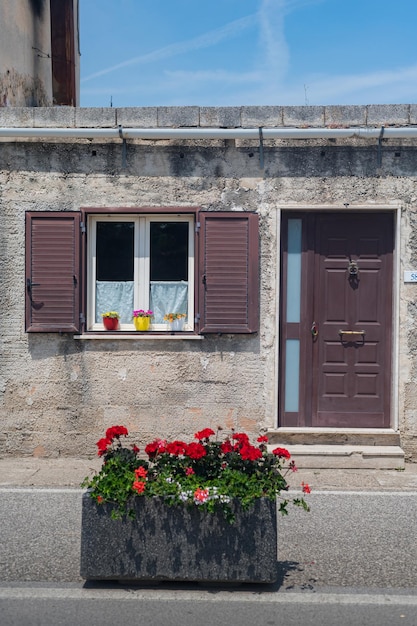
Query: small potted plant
{"type": "Point", "coordinates": [175, 320]}
{"type": "Point", "coordinates": [111, 320]}
{"type": "Point", "coordinates": [142, 319]}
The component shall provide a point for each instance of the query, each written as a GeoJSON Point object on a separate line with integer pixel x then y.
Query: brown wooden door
{"type": "Point", "coordinates": [346, 321]}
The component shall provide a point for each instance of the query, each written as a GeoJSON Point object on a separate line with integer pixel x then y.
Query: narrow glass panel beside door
{"type": "Point", "coordinates": [292, 375]}
{"type": "Point", "coordinates": [294, 271]}
{"type": "Point", "coordinates": [293, 313]}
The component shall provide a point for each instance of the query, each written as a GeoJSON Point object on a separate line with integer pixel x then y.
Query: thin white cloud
{"type": "Point", "coordinates": [389, 86]}
{"type": "Point", "coordinates": [206, 40]}
{"type": "Point", "coordinates": [236, 89]}
{"type": "Point", "coordinates": [213, 76]}
{"type": "Point", "coordinates": [355, 87]}
{"type": "Point", "coordinates": [270, 17]}
{"type": "Point", "coordinates": [359, 82]}
{"type": "Point", "coordinates": [268, 74]}
{"type": "Point", "coordinates": [272, 38]}
{"type": "Point", "coordinates": [275, 60]}
{"type": "Point", "coordinates": [267, 81]}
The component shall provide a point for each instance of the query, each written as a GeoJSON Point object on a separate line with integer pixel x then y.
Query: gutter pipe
{"type": "Point", "coordinates": [210, 133]}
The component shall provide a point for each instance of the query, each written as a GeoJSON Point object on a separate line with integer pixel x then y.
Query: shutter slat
{"type": "Point", "coordinates": [53, 267]}
{"type": "Point", "coordinates": [229, 272]}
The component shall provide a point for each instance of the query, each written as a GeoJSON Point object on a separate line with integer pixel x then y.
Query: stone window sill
{"type": "Point", "coordinates": [145, 336]}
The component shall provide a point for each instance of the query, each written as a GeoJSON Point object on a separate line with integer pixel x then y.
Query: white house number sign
{"type": "Point", "coordinates": [410, 276]}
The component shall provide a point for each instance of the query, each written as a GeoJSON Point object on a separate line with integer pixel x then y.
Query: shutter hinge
{"type": "Point", "coordinates": [197, 318]}
{"type": "Point", "coordinates": [82, 318]}
{"type": "Point", "coordinates": [197, 227]}
{"type": "Point", "coordinates": [83, 228]}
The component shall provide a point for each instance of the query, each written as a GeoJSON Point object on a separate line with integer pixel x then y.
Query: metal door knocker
{"type": "Point", "coordinates": [353, 268]}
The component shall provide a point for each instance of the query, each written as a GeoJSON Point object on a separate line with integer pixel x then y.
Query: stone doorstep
{"type": "Point", "coordinates": [346, 456]}
{"type": "Point", "coordinates": [334, 436]}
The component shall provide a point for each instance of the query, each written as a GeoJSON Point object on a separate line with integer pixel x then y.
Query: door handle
{"type": "Point", "coordinates": [351, 332]}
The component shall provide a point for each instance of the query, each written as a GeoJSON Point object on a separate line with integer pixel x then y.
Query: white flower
{"type": "Point", "coordinates": [185, 495]}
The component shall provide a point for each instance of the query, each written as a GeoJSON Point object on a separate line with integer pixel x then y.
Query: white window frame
{"type": "Point", "coordinates": [141, 264]}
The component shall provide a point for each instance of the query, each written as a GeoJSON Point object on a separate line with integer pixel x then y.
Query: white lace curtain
{"type": "Point", "coordinates": [165, 297]}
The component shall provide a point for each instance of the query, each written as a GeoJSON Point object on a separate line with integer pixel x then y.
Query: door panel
{"type": "Point", "coordinates": [347, 362]}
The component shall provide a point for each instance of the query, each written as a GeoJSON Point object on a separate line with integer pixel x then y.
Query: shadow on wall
{"type": "Point", "coordinates": [38, 7]}
{"type": "Point", "coordinates": [210, 163]}
{"type": "Point", "coordinates": [45, 345]}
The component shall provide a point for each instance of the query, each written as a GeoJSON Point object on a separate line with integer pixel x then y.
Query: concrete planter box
{"type": "Point", "coordinates": [179, 544]}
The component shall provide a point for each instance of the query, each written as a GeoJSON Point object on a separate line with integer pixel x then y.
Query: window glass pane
{"type": "Point", "coordinates": [292, 374]}
{"type": "Point", "coordinates": [169, 251]}
{"type": "Point", "coordinates": [294, 271]}
{"type": "Point", "coordinates": [168, 268]}
{"type": "Point", "coordinates": [114, 269]}
{"type": "Point", "coordinates": [115, 249]}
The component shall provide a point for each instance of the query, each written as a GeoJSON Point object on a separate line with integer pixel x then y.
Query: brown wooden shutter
{"type": "Point", "coordinates": [229, 272]}
{"type": "Point", "coordinates": [52, 272]}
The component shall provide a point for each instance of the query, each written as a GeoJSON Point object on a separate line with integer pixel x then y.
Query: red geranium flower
{"type": "Point", "coordinates": [306, 488]}
{"type": "Point", "coordinates": [241, 438]}
{"type": "Point", "coordinates": [204, 434]}
{"type": "Point", "coordinates": [250, 453]}
{"type": "Point", "coordinates": [156, 447]}
{"type": "Point", "coordinates": [116, 431]}
{"type": "Point", "coordinates": [176, 448]}
{"type": "Point", "coordinates": [102, 445]}
{"type": "Point", "coordinates": [262, 439]}
{"type": "Point", "coordinates": [281, 453]}
{"type": "Point", "coordinates": [141, 472]}
{"type": "Point", "coordinates": [226, 446]}
{"type": "Point", "coordinates": [201, 495]}
{"type": "Point", "coordinates": [195, 450]}
{"type": "Point", "coordinates": [139, 486]}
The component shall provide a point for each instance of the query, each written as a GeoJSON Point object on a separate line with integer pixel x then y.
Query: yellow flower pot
{"type": "Point", "coordinates": [142, 323]}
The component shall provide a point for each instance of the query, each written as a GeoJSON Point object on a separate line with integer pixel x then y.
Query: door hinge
{"type": "Point", "coordinates": [197, 227]}
{"type": "Point", "coordinates": [83, 228]}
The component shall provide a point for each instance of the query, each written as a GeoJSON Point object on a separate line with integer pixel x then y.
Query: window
{"type": "Point", "coordinates": [140, 262]}
{"type": "Point", "coordinates": [81, 264]}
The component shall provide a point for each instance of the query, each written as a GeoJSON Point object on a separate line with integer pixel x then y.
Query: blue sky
{"type": "Point", "coordinates": [248, 52]}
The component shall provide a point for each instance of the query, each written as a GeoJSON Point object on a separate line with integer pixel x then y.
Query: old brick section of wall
{"type": "Point", "coordinates": [58, 395]}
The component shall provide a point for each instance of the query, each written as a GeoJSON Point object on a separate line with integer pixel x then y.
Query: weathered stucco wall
{"type": "Point", "coordinates": [57, 394]}
{"type": "Point", "coordinates": [25, 53]}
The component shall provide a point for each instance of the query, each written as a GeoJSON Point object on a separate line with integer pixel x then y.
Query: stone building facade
{"type": "Point", "coordinates": [39, 53]}
{"type": "Point", "coordinates": [299, 272]}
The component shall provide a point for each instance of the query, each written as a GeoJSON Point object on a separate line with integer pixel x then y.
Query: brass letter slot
{"type": "Point", "coordinates": [351, 332]}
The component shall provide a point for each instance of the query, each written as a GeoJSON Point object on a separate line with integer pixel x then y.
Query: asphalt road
{"type": "Point", "coordinates": [352, 560]}
{"type": "Point", "coordinates": [352, 539]}
{"type": "Point", "coordinates": [104, 606]}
